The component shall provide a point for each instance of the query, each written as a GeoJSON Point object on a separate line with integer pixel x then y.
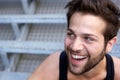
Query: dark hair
{"type": "Point", "coordinates": [104, 8]}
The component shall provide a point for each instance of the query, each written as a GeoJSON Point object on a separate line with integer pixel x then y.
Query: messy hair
{"type": "Point", "coordinates": [103, 8]}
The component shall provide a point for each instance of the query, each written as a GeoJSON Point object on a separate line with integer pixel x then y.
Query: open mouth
{"type": "Point", "coordinates": [78, 57]}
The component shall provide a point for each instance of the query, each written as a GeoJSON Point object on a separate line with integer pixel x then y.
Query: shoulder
{"type": "Point", "coordinates": [48, 69]}
{"type": "Point", "coordinates": [117, 67]}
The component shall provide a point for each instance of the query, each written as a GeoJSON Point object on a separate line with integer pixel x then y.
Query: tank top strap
{"type": "Point", "coordinates": [63, 66]}
{"type": "Point", "coordinates": [110, 67]}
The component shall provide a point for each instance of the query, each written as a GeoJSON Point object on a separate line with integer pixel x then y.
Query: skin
{"type": "Point", "coordinates": [84, 38]}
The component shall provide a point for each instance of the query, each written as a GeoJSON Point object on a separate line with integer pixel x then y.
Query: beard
{"type": "Point", "coordinates": [91, 63]}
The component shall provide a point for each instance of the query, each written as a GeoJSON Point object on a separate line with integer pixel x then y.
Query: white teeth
{"type": "Point", "coordinates": [78, 57]}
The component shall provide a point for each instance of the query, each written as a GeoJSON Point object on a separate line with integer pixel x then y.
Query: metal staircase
{"type": "Point", "coordinates": [30, 30]}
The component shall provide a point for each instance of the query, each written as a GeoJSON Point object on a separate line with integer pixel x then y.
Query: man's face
{"type": "Point", "coordinates": [84, 42]}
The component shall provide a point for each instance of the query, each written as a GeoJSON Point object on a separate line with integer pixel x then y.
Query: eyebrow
{"type": "Point", "coordinates": [85, 34]}
{"type": "Point", "coordinates": [70, 30]}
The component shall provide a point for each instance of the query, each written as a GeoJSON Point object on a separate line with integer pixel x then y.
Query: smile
{"type": "Point", "coordinates": [78, 57]}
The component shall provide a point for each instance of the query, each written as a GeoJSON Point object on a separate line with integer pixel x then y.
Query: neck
{"type": "Point", "coordinates": [98, 72]}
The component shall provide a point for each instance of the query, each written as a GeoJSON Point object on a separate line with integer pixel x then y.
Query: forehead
{"type": "Point", "coordinates": [87, 22]}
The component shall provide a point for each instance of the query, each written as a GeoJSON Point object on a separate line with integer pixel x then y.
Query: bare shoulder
{"type": "Point", "coordinates": [117, 67]}
{"type": "Point", "coordinates": [48, 69]}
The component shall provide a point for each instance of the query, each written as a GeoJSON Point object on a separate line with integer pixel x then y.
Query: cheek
{"type": "Point", "coordinates": [95, 49]}
{"type": "Point", "coordinates": [67, 42]}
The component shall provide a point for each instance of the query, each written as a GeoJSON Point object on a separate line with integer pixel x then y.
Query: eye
{"type": "Point", "coordinates": [89, 38]}
{"type": "Point", "coordinates": [70, 35]}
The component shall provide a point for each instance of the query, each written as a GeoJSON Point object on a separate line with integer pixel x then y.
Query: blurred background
{"type": "Point", "coordinates": [31, 30]}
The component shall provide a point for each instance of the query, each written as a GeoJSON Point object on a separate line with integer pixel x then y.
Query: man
{"type": "Point", "coordinates": [90, 36]}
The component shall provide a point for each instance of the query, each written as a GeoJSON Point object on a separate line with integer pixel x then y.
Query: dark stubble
{"type": "Point", "coordinates": [90, 64]}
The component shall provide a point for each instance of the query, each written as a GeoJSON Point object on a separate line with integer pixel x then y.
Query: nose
{"type": "Point", "coordinates": [77, 45]}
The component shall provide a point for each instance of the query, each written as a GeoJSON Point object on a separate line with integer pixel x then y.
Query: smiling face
{"type": "Point", "coordinates": [84, 42]}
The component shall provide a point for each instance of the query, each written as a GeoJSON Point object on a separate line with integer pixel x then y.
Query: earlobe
{"type": "Point", "coordinates": [110, 44]}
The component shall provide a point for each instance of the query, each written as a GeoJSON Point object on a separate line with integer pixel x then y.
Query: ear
{"type": "Point", "coordinates": [110, 44]}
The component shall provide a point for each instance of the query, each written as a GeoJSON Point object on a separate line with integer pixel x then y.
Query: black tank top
{"type": "Point", "coordinates": [63, 67]}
